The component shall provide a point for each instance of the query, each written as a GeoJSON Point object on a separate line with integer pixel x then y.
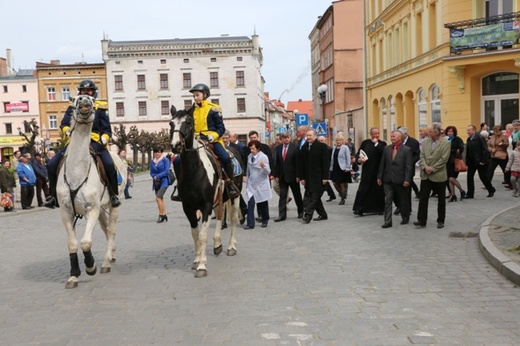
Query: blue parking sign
{"type": "Point", "coordinates": [302, 119]}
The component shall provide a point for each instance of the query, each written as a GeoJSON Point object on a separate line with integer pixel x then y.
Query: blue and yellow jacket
{"type": "Point", "coordinates": [100, 126]}
{"type": "Point", "coordinates": [208, 121]}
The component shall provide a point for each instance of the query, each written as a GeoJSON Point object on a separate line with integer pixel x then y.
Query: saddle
{"type": "Point", "coordinates": [99, 166]}
{"type": "Point", "coordinates": [237, 168]}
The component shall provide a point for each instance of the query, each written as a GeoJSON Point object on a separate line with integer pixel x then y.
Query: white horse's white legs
{"type": "Point", "coordinates": [108, 225]}
{"type": "Point", "coordinates": [203, 241]}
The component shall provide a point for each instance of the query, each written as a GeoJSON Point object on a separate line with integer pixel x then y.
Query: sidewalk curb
{"type": "Point", "coordinates": [494, 256]}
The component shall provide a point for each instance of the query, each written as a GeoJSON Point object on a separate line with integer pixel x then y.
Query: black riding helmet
{"type": "Point", "coordinates": [202, 88]}
{"type": "Point", "coordinates": [88, 84]}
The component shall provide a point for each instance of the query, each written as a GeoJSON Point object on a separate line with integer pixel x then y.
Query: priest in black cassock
{"type": "Point", "coordinates": [370, 197]}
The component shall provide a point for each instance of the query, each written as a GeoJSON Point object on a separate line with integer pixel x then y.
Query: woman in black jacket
{"type": "Point", "coordinates": [457, 148]}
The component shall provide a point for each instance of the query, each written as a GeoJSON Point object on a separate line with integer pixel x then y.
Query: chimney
{"type": "Point", "coordinates": [8, 61]}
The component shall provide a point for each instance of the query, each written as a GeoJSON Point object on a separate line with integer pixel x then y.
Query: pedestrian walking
{"type": "Point", "coordinates": [395, 175]}
{"type": "Point", "coordinates": [314, 175]}
{"type": "Point", "coordinates": [434, 156]}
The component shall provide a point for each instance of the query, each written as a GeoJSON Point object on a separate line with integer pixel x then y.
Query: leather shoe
{"type": "Point", "coordinates": [258, 219]}
{"type": "Point", "coordinates": [330, 199]}
{"type": "Point", "coordinates": [306, 219]}
{"type": "Point", "coordinates": [242, 220]}
{"type": "Point", "coordinates": [280, 219]}
{"type": "Point", "coordinates": [397, 211]}
{"type": "Point", "coordinates": [418, 224]}
{"type": "Point", "coordinates": [320, 218]}
{"type": "Point", "coordinates": [491, 194]}
{"type": "Point", "coordinates": [405, 221]}
{"type": "Point", "coordinates": [386, 225]}
{"type": "Point", "coordinates": [440, 225]}
{"type": "Point", "coordinates": [247, 227]}
{"type": "Point", "coordinates": [264, 225]}
{"type": "Point", "coordinates": [468, 197]}
{"type": "Point", "coordinates": [300, 216]}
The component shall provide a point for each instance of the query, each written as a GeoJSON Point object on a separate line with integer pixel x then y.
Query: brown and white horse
{"type": "Point", "coordinates": [201, 189]}
{"type": "Point", "coordinates": [81, 193]}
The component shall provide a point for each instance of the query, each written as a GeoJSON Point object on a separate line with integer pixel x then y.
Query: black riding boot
{"type": "Point", "coordinates": [231, 188]}
{"type": "Point", "coordinates": [52, 200]}
{"type": "Point", "coordinates": [113, 190]}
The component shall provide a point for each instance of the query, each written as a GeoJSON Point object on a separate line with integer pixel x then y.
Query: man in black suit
{"type": "Point", "coordinates": [235, 143]}
{"type": "Point", "coordinates": [477, 159]}
{"type": "Point", "coordinates": [227, 139]}
{"type": "Point", "coordinates": [328, 187]}
{"type": "Point", "coordinates": [395, 174]}
{"type": "Point", "coordinates": [286, 158]}
{"type": "Point", "coordinates": [313, 172]}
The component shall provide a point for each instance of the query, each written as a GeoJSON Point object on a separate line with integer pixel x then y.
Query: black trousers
{"type": "Point", "coordinates": [402, 196]}
{"type": "Point", "coordinates": [330, 191]}
{"type": "Point", "coordinates": [284, 191]}
{"type": "Point", "coordinates": [493, 165]}
{"type": "Point", "coordinates": [41, 185]}
{"type": "Point", "coordinates": [26, 196]}
{"type": "Point", "coordinates": [482, 174]}
{"type": "Point", "coordinates": [312, 202]}
{"type": "Point", "coordinates": [439, 189]}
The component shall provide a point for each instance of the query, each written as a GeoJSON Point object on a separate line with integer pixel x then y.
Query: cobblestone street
{"type": "Point", "coordinates": [344, 281]}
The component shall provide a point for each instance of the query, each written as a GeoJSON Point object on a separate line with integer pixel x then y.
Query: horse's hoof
{"type": "Point", "coordinates": [105, 270]}
{"type": "Point", "coordinates": [231, 252]}
{"type": "Point", "coordinates": [112, 260]}
{"type": "Point", "coordinates": [71, 284]}
{"type": "Point", "coordinates": [194, 265]}
{"type": "Point", "coordinates": [92, 272]}
{"type": "Point", "coordinates": [218, 250]}
{"type": "Point", "coordinates": [201, 273]}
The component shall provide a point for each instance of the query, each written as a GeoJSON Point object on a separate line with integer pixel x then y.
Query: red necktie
{"type": "Point", "coordinates": [284, 154]}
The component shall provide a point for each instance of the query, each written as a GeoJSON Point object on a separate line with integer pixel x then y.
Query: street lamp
{"type": "Point", "coordinates": [322, 91]}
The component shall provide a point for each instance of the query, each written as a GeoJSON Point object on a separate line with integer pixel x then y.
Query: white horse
{"type": "Point", "coordinates": [81, 193]}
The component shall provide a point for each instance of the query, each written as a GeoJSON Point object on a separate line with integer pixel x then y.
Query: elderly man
{"type": "Point", "coordinates": [434, 156]}
{"type": "Point", "coordinates": [27, 181]}
{"type": "Point", "coordinates": [395, 174]}
{"type": "Point", "coordinates": [313, 173]}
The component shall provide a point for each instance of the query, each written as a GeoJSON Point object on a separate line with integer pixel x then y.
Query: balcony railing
{"type": "Point", "coordinates": [487, 33]}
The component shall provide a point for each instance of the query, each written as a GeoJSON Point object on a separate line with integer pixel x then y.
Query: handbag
{"type": "Point", "coordinates": [171, 177]}
{"type": "Point", "coordinates": [460, 165]}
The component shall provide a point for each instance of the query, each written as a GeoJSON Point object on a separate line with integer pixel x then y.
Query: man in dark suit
{"type": "Point", "coordinates": [235, 143]}
{"type": "Point", "coordinates": [302, 136]}
{"type": "Point", "coordinates": [328, 187]}
{"type": "Point", "coordinates": [286, 158]}
{"type": "Point", "coordinates": [395, 174]}
{"type": "Point", "coordinates": [313, 172]}
{"type": "Point", "coordinates": [413, 144]}
{"type": "Point", "coordinates": [477, 159]}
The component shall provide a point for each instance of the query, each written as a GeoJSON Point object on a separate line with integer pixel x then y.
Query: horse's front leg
{"type": "Point", "coordinates": [75, 272]}
{"type": "Point", "coordinates": [217, 238]}
{"type": "Point", "coordinates": [86, 241]}
{"type": "Point", "coordinates": [233, 208]}
{"type": "Point", "coordinates": [108, 225]}
{"type": "Point", "coordinates": [203, 241]}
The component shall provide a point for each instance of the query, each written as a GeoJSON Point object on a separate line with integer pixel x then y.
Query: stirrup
{"type": "Point", "coordinates": [114, 201]}
{"type": "Point", "coordinates": [174, 197]}
{"type": "Point", "coordinates": [50, 202]}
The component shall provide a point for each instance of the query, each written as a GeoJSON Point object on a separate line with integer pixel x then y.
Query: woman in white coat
{"type": "Point", "coordinates": [340, 168]}
{"type": "Point", "coordinates": [258, 185]}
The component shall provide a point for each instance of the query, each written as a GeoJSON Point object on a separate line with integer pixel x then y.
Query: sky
{"type": "Point", "coordinates": [71, 31]}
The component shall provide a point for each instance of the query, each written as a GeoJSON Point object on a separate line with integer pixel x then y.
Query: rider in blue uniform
{"type": "Point", "coordinates": [100, 135]}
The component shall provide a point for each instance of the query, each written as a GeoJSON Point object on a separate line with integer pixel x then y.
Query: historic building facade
{"type": "Point", "coordinates": [454, 62]}
{"type": "Point", "coordinates": [337, 64]}
{"type": "Point", "coordinates": [145, 78]}
{"type": "Point", "coordinates": [58, 83]}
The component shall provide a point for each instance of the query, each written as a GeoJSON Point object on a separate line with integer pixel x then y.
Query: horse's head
{"type": "Point", "coordinates": [181, 129]}
{"type": "Point", "coordinates": [84, 109]}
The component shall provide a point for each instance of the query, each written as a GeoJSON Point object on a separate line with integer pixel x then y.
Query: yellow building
{"type": "Point", "coordinates": [57, 83]}
{"type": "Point", "coordinates": [454, 62]}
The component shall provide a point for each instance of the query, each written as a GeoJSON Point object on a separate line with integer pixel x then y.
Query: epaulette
{"type": "Point", "coordinates": [101, 104]}
{"type": "Point", "coordinates": [216, 108]}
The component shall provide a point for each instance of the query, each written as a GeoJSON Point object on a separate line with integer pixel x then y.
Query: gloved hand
{"type": "Point", "coordinates": [210, 138]}
{"type": "Point", "coordinates": [104, 140]}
